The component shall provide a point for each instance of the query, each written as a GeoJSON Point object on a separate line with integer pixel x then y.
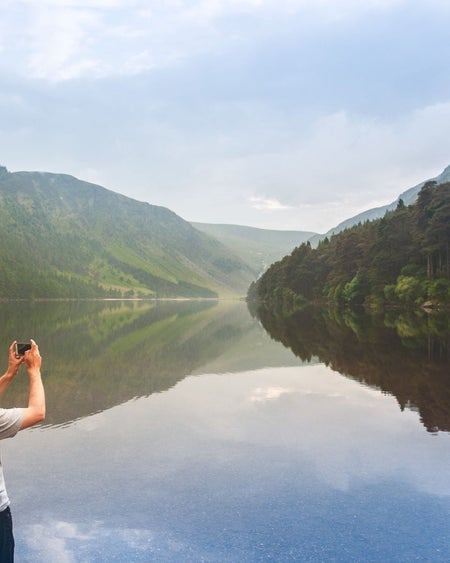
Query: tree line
{"type": "Point", "coordinates": [402, 258]}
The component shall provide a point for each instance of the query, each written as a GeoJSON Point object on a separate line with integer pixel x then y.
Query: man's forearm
{"type": "Point", "coordinates": [6, 379]}
{"type": "Point", "coordinates": [36, 400]}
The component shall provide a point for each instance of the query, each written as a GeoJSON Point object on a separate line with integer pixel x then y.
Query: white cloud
{"type": "Point", "coordinates": [262, 203]}
{"type": "Point", "coordinates": [96, 4]}
{"type": "Point", "coordinates": [342, 165]}
{"type": "Point", "coordinates": [60, 41]}
{"type": "Point", "coordinates": [361, 159]}
{"type": "Point", "coordinates": [64, 39]}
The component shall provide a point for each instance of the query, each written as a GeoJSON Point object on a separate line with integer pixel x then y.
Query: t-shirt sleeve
{"type": "Point", "coordinates": [10, 422]}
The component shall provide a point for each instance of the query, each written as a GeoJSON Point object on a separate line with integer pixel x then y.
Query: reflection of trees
{"type": "Point", "coordinates": [100, 354]}
{"type": "Point", "coordinates": [404, 354]}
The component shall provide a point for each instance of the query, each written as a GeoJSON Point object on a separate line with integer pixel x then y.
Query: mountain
{"type": "Point", "coordinates": [408, 197]}
{"type": "Point", "coordinates": [63, 237]}
{"type": "Point", "coordinates": [258, 248]}
{"type": "Point", "coordinates": [402, 258]}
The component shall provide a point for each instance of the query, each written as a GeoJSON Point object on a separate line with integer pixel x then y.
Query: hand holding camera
{"type": "Point", "coordinates": [27, 352]}
{"type": "Point", "coordinates": [21, 347]}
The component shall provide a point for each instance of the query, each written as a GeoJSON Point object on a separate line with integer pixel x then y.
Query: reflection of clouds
{"type": "Point", "coordinates": [159, 473]}
{"type": "Point", "coordinates": [49, 542]}
{"type": "Point", "coordinates": [261, 394]}
{"type": "Point", "coordinates": [59, 542]}
{"type": "Point", "coordinates": [136, 539]}
{"type": "Point", "coordinates": [337, 431]}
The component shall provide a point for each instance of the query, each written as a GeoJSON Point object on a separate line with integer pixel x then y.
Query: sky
{"type": "Point", "coordinates": [280, 114]}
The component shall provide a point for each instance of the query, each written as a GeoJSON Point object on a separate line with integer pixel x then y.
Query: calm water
{"type": "Point", "coordinates": [185, 432]}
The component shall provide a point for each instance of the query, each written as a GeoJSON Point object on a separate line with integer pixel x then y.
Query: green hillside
{"type": "Point", "coordinates": [256, 247]}
{"type": "Point", "coordinates": [409, 197]}
{"type": "Point", "coordinates": [62, 237]}
{"type": "Point", "coordinates": [402, 258]}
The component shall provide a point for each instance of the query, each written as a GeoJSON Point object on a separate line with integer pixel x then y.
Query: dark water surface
{"type": "Point", "coordinates": [183, 431]}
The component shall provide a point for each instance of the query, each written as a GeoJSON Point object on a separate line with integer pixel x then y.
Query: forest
{"type": "Point", "coordinates": [402, 258]}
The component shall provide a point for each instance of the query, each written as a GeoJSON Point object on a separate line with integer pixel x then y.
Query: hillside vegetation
{"type": "Point", "coordinates": [65, 238]}
{"type": "Point", "coordinates": [401, 258]}
{"type": "Point", "coordinates": [409, 197]}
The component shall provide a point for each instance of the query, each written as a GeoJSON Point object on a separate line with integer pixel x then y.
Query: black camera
{"type": "Point", "coordinates": [22, 347]}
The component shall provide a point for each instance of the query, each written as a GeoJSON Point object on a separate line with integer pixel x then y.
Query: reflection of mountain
{"type": "Point", "coordinates": [407, 355]}
{"type": "Point", "coordinates": [99, 354]}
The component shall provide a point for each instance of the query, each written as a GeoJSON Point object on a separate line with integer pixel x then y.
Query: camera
{"type": "Point", "coordinates": [22, 347]}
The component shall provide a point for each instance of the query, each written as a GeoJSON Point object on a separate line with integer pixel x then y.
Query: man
{"type": "Point", "coordinates": [13, 420]}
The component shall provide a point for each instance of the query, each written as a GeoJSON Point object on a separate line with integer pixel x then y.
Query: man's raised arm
{"type": "Point", "coordinates": [35, 412]}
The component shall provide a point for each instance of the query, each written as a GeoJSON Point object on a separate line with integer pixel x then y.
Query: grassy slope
{"type": "Point", "coordinates": [54, 224]}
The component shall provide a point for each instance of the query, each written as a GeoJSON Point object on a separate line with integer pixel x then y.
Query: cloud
{"type": "Point", "coordinates": [344, 164]}
{"type": "Point", "coordinates": [99, 38]}
{"type": "Point", "coordinates": [294, 114]}
{"type": "Point", "coordinates": [359, 159]}
{"type": "Point", "coordinates": [320, 171]}
{"type": "Point", "coordinates": [262, 204]}
{"type": "Point", "coordinates": [241, 161]}
{"type": "Point", "coordinates": [68, 39]}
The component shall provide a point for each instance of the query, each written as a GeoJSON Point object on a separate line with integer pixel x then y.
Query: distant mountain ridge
{"type": "Point", "coordinates": [258, 248]}
{"type": "Point", "coordinates": [63, 237]}
{"type": "Point", "coordinates": [409, 197]}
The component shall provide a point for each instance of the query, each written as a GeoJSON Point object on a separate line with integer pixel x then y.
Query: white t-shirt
{"type": "Point", "coordinates": [10, 423]}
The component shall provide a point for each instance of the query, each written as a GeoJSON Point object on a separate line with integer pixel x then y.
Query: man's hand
{"type": "Point", "coordinates": [32, 358]}
{"type": "Point", "coordinates": [14, 362]}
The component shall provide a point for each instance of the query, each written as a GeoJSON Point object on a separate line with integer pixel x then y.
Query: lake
{"type": "Point", "coordinates": [192, 431]}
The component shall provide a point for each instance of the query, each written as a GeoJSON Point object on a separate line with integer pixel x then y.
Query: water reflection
{"type": "Point", "coordinates": [100, 354]}
{"type": "Point", "coordinates": [262, 457]}
{"type": "Point", "coordinates": [279, 464]}
{"type": "Point", "coordinates": [406, 354]}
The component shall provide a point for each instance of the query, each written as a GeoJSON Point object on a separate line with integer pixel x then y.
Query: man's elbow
{"type": "Point", "coordinates": [32, 416]}
{"type": "Point", "coordinates": [40, 415]}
